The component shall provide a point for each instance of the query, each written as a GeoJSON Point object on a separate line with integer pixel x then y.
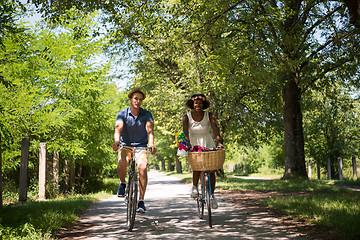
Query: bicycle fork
{"type": "Point", "coordinates": [204, 186]}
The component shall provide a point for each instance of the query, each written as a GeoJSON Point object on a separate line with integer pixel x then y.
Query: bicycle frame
{"type": "Point", "coordinates": [131, 192]}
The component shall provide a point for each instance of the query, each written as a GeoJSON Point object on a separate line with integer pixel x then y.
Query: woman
{"type": "Point", "coordinates": [196, 126]}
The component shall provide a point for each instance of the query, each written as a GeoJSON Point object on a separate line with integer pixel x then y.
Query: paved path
{"type": "Point", "coordinates": [171, 214]}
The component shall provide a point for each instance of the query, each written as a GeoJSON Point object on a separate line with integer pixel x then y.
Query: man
{"type": "Point", "coordinates": [134, 126]}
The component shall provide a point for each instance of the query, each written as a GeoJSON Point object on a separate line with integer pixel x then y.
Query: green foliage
{"type": "Point", "coordinates": [331, 130]}
{"type": "Point", "coordinates": [56, 91]}
{"type": "Point", "coordinates": [24, 232]}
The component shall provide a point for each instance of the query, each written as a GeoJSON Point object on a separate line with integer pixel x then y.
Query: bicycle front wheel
{"type": "Point", "coordinates": [208, 198]}
{"type": "Point", "coordinates": [131, 203]}
{"type": "Point", "coordinates": [200, 205]}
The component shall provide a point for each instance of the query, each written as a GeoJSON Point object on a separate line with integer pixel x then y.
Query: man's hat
{"type": "Point", "coordinates": [136, 90]}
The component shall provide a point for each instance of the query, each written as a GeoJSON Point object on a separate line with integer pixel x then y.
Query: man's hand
{"type": "Point", "coordinates": [152, 149]}
{"type": "Point", "coordinates": [115, 146]}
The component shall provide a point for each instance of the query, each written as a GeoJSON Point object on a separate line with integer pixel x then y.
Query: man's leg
{"type": "Point", "coordinates": [142, 163]}
{"type": "Point", "coordinates": [123, 159]}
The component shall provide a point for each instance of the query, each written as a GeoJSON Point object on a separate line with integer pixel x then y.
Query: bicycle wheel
{"type": "Point", "coordinates": [200, 205]}
{"type": "Point", "coordinates": [131, 203]}
{"type": "Point", "coordinates": [207, 195]}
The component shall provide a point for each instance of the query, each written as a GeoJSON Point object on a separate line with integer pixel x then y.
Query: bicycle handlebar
{"type": "Point", "coordinates": [133, 148]}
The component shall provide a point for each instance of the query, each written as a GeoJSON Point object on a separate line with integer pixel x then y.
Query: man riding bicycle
{"type": "Point", "coordinates": [134, 126]}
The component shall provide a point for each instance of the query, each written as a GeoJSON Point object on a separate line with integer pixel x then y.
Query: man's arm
{"type": "Point", "coordinates": [150, 131]}
{"type": "Point", "coordinates": [118, 129]}
{"type": "Point", "coordinates": [215, 129]}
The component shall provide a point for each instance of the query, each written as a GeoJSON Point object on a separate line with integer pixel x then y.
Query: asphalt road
{"type": "Point", "coordinates": [172, 214]}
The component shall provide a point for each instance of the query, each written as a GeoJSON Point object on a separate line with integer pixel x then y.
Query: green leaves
{"type": "Point", "coordinates": [56, 89]}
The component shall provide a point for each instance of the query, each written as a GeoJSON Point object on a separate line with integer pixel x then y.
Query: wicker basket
{"type": "Point", "coordinates": [202, 161]}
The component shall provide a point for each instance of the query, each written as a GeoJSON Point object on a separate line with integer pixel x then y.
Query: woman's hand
{"type": "Point", "coordinates": [219, 145]}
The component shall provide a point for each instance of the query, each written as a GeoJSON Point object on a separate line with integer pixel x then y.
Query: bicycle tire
{"type": "Point", "coordinates": [208, 198]}
{"type": "Point", "coordinates": [131, 203]}
{"type": "Point", "coordinates": [200, 205]}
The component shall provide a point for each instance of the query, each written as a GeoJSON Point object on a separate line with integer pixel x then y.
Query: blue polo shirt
{"type": "Point", "coordinates": [134, 131]}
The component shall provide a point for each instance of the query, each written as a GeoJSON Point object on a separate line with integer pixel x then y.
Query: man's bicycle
{"type": "Point", "coordinates": [206, 162]}
{"type": "Point", "coordinates": [131, 192]}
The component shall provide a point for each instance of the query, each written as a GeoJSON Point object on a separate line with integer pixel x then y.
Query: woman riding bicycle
{"type": "Point", "coordinates": [196, 126]}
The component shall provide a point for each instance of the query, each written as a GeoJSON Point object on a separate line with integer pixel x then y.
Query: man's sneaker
{"type": "Point", "coordinates": [214, 204]}
{"type": "Point", "coordinates": [121, 190]}
{"type": "Point", "coordinates": [141, 207]}
{"type": "Point", "coordinates": [194, 192]}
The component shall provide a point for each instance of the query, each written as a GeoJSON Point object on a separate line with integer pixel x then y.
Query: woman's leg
{"type": "Point", "coordinates": [196, 176]}
{"type": "Point", "coordinates": [213, 181]}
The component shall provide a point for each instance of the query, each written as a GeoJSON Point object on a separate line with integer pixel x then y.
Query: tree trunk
{"type": "Point", "coordinates": [293, 132]}
{"type": "Point", "coordinates": [66, 175]}
{"type": "Point", "coordinates": [354, 10]}
{"type": "Point", "coordinates": [170, 166]}
{"type": "Point", "coordinates": [178, 164]}
{"type": "Point", "coordinates": [23, 181]}
{"type": "Point", "coordinates": [354, 168]}
{"type": "Point", "coordinates": [163, 164]}
{"type": "Point", "coordinates": [56, 170]}
{"type": "Point", "coordinates": [72, 174]}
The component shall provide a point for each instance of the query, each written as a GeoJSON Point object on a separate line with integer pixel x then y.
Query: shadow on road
{"type": "Point", "coordinates": [171, 214]}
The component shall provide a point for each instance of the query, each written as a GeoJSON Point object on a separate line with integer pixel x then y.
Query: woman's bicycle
{"type": "Point", "coordinates": [131, 192]}
{"type": "Point", "coordinates": [206, 162]}
{"type": "Point", "coordinates": [205, 197]}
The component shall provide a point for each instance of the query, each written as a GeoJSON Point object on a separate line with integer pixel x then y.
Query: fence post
{"type": "Point", "coordinates": [340, 169]}
{"type": "Point", "coordinates": [318, 168]}
{"type": "Point", "coordinates": [56, 170]}
{"type": "Point", "coordinates": [309, 168]}
{"type": "Point", "coordinates": [329, 168]}
{"type": "Point", "coordinates": [25, 143]}
{"type": "Point", "coordinates": [354, 168]}
{"type": "Point", "coordinates": [42, 171]}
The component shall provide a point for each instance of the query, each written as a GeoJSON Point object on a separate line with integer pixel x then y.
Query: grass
{"type": "Point", "coordinates": [42, 219]}
{"type": "Point", "coordinates": [334, 208]}
{"type": "Point", "coordinates": [338, 212]}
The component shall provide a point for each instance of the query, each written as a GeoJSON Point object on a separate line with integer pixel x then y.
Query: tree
{"type": "Point", "coordinates": [278, 41]}
{"type": "Point", "coordinates": [331, 126]}
{"type": "Point", "coordinates": [281, 36]}
{"type": "Point", "coordinates": [58, 93]}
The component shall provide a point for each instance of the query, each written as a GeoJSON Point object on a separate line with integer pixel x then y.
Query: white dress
{"type": "Point", "coordinates": [199, 133]}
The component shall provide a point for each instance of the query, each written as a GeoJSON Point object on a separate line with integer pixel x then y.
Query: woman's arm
{"type": "Point", "coordinates": [215, 129]}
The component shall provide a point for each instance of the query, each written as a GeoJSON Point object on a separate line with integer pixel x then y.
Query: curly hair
{"type": "Point", "coordinates": [190, 103]}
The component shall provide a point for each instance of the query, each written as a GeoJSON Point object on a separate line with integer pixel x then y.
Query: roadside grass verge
{"type": "Point", "coordinates": [42, 219]}
{"type": "Point", "coordinates": [339, 212]}
{"type": "Point", "coordinates": [334, 208]}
